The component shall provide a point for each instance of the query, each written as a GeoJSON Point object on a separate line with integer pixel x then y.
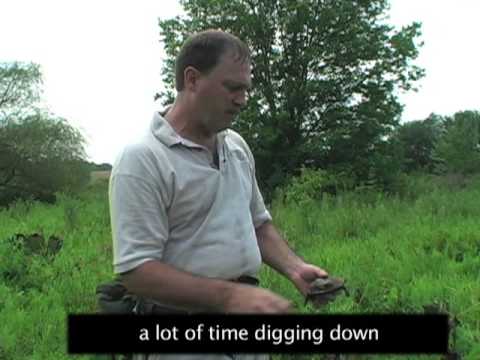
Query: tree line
{"type": "Point", "coordinates": [326, 75]}
{"type": "Point", "coordinates": [441, 144]}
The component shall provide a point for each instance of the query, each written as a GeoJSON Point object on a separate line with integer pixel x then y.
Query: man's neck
{"type": "Point", "coordinates": [182, 120]}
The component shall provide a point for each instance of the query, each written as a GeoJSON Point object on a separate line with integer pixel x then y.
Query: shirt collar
{"type": "Point", "coordinates": [165, 133]}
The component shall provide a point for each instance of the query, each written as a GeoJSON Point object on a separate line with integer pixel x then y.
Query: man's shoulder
{"type": "Point", "coordinates": [143, 154]}
{"type": "Point", "coordinates": [237, 142]}
{"type": "Point", "coordinates": [237, 139]}
{"type": "Point", "coordinates": [135, 151]}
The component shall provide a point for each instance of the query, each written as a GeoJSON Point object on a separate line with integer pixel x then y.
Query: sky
{"type": "Point", "coordinates": [101, 60]}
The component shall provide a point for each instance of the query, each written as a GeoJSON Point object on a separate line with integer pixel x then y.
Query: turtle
{"type": "Point", "coordinates": [325, 289]}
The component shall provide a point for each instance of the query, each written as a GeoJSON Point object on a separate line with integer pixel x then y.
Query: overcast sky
{"type": "Point", "coordinates": [101, 60]}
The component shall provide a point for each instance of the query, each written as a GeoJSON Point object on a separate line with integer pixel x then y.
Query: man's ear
{"type": "Point", "coordinates": [191, 76]}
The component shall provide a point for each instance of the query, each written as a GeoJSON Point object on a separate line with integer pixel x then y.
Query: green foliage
{"type": "Point", "coordinates": [19, 89]}
{"type": "Point", "coordinates": [397, 256]}
{"type": "Point", "coordinates": [385, 169]}
{"type": "Point", "coordinates": [36, 293]}
{"type": "Point", "coordinates": [317, 184]}
{"type": "Point", "coordinates": [40, 153]}
{"type": "Point", "coordinates": [99, 167]}
{"type": "Point", "coordinates": [324, 73]}
{"type": "Point", "coordinates": [313, 185]}
{"type": "Point", "coordinates": [442, 144]}
{"type": "Point", "coordinates": [418, 140]}
{"type": "Point", "coordinates": [459, 147]}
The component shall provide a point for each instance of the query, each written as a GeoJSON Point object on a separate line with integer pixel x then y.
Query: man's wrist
{"type": "Point", "coordinates": [225, 290]}
{"type": "Point", "coordinates": [292, 271]}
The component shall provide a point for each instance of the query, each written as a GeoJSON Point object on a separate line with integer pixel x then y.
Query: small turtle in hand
{"type": "Point", "coordinates": [326, 289]}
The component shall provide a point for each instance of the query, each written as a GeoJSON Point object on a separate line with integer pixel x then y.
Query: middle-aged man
{"type": "Point", "coordinates": [189, 222]}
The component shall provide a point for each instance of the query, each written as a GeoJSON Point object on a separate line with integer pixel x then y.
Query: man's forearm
{"type": "Point", "coordinates": [170, 286]}
{"type": "Point", "coordinates": [176, 288]}
{"type": "Point", "coordinates": [275, 250]}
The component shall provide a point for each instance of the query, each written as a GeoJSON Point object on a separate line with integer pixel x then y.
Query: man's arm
{"type": "Point", "coordinates": [277, 254]}
{"type": "Point", "coordinates": [173, 287]}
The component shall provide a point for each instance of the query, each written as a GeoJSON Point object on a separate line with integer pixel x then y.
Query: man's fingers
{"type": "Point", "coordinates": [277, 305]}
{"type": "Point", "coordinates": [322, 273]}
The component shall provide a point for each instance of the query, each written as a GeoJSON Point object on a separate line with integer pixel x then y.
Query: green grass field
{"type": "Point", "coordinates": [397, 254]}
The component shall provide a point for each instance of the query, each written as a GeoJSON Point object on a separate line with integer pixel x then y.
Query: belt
{"type": "Point", "coordinates": [247, 279]}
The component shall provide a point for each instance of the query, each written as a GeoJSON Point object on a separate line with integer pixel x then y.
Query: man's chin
{"type": "Point", "coordinates": [224, 128]}
{"type": "Point", "coordinates": [227, 124]}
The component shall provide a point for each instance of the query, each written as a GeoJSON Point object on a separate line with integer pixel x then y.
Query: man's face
{"type": "Point", "coordinates": [222, 92]}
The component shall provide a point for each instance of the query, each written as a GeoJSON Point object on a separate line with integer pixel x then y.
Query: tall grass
{"type": "Point", "coordinates": [37, 293]}
{"type": "Point", "coordinates": [398, 254]}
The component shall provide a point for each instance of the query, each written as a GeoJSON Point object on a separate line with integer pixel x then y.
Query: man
{"type": "Point", "coordinates": [188, 219]}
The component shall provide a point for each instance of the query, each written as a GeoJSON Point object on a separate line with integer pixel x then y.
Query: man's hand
{"type": "Point", "coordinates": [303, 276]}
{"type": "Point", "coordinates": [249, 299]}
{"type": "Point", "coordinates": [277, 254]}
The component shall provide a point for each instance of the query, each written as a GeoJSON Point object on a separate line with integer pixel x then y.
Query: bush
{"type": "Point", "coordinates": [40, 155]}
{"type": "Point", "coordinates": [313, 185]}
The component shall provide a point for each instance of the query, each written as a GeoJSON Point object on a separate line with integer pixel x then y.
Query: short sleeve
{"type": "Point", "coordinates": [259, 212]}
{"type": "Point", "coordinates": [138, 213]}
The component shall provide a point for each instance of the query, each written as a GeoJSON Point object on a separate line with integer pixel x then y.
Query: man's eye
{"type": "Point", "coordinates": [234, 88]}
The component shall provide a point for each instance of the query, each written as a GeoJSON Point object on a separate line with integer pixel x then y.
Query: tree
{"type": "Point", "coordinates": [418, 141]}
{"type": "Point", "coordinates": [40, 155]}
{"type": "Point", "coordinates": [459, 146]}
{"type": "Point", "coordinates": [325, 73]}
{"type": "Point", "coordinates": [19, 89]}
{"type": "Point", "coordinates": [39, 152]}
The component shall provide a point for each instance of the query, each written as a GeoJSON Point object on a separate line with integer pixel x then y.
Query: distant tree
{"type": "Point", "coordinates": [39, 152]}
{"type": "Point", "coordinates": [418, 140]}
{"type": "Point", "coordinates": [324, 74]}
{"type": "Point", "coordinates": [103, 167]}
{"type": "Point", "coordinates": [98, 167]}
{"type": "Point", "coordinates": [19, 89]}
{"type": "Point", "coordinates": [40, 155]}
{"type": "Point", "coordinates": [459, 146]}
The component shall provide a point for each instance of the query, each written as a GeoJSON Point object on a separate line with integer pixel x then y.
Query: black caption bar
{"type": "Point", "coordinates": [401, 334]}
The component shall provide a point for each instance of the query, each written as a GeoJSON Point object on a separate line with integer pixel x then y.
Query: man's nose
{"type": "Point", "coordinates": [240, 99]}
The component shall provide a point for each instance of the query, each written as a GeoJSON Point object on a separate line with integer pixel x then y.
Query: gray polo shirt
{"type": "Point", "coordinates": [168, 202]}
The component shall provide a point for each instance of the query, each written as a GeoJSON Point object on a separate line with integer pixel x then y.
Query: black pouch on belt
{"type": "Point", "coordinates": [147, 307]}
{"type": "Point", "coordinates": [114, 298]}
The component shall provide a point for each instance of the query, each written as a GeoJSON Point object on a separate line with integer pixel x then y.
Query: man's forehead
{"type": "Point", "coordinates": [235, 70]}
{"type": "Point", "coordinates": [236, 56]}
{"type": "Point", "coordinates": [233, 58]}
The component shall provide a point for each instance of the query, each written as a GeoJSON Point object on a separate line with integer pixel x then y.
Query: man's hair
{"type": "Point", "coordinates": [203, 51]}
